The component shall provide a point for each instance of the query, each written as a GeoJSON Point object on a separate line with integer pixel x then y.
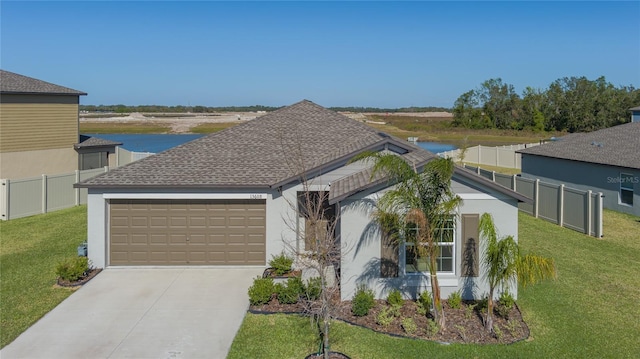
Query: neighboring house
{"type": "Point", "coordinates": [635, 114]}
{"type": "Point", "coordinates": [38, 127]}
{"type": "Point", "coordinates": [606, 161]}
{"type": "Point", "coordinates": [94, 152]}
{"type": "Point", "coordinates": [230, 198]}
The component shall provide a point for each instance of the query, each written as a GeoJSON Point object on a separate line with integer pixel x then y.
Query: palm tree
{"type": "Point", "coordinates": [420, 206]}
{"type": "Point", "coordinates": [504, 261]}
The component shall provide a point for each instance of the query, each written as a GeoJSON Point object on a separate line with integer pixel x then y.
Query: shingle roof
{"type": "Point", "coordinates": [616, 146]}
{"type": "Point", "coordinates": [635, 108]}
{"type": "Point", "coordinates": [12, 83]}
{"type": "Point", "coordinates": [88, 141]}
{"type": "Point", "coordinates": [264, 152]}
{"type": "Point", "coordinates": [361, 180]}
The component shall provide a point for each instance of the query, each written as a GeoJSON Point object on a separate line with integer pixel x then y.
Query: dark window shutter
{"type": "Point", "coordinates": [389, 256]}
{"type": "Point", "coordinates": [470, 245]}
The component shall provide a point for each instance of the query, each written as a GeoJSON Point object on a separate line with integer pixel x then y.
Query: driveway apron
{"type": "Point", "coordinates": [143, 313]}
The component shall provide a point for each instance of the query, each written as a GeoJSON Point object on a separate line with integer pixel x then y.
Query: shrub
{"type": "Point", "coordinates": [362, 301]}
{"type": "Point", "coordinates": [281, 264]}
{"type": "Point", "coordinates": [409, 325]}
{"type": "Point", "coordinates": [291, 292]}
{"type": "Point", "coordinates": [261, 291]}
{"type": "Point", "coordinates": [395, 299]}
{"type": "Point", "coordinates": [455, 300]}
{"type": "Point", "coordinates": [424, 303]}
{"type": "Point", "coordinates": [468, 310]}
{"type": "Point", "coordinates": [506, 299]}
{"type": "Point", "coordinates": [505, 304]}
{"type": "Point", "coordinates": [385, 317]}
{"type": "Point", "coordinates": [72, 269]}
{"type": "Point", "coordinates": [432, 327]}
{"type": "Point", "coordinates": [313, 288]}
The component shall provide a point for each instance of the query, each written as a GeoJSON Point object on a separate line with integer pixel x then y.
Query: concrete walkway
{"type": "Point", "coordinates": [143, 313]}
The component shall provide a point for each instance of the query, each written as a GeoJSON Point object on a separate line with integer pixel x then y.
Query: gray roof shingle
{"type": "Point", "coordinates": [615, 146]}
{"type": "Point", "coordinates": [89, 141]}
{"type": "Point", "coordinates": [260, 153]}
{"type": "Point", "coordinates": [637, 108]}
{"type": "Point", "coordinates": [12, 83]}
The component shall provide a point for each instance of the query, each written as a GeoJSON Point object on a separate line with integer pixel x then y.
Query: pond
{"type": "Point", "coordinates": [148, 142]}
{"type": "Point", "coordinates": [161, 142]}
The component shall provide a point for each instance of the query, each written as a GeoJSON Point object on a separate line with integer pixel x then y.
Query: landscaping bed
{"type": "Point", "coordinates": [464, 325]}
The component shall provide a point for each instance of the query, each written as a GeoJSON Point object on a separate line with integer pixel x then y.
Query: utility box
{"type": "Point", "coordinates": [82, 250]}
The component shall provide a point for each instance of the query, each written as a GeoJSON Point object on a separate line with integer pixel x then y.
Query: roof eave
{"type": "Point", "coordinates": [465, 173]}
{"type": "Point", "coordinates": [169, 186]}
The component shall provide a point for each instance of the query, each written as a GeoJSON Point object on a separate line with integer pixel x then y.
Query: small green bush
{"type": "Point", "coordinates": [432, 327]}
{"type": "Point", "coordinates": [424, 303]}
{"type": "Point", "coordinates": [506, 299]}
{"type": "Point", "coordinates": [505, 304]}
{"type": "Point", "coordinates": [291, 292]}
{"type": "Point", "coordinates": [409, 325]}
{"type": "Point", "coordinates": [385, 317]}
{"type": "Point", "coordinates": [73, 268]}
{"type": "Point", "coordinates": [313, 288]}
{"type": "Point", "coordinates": [455, 300]}
{"type": "Point", "coordinates": [362, 301]}
{"type": "Point", "coordinates": [468, 310]}
{"type": "Point", "coordinates": [261, 291]}
{"type": "Point", "coordinates": [395, 299]}
{"type": "Point", "coordinates": [281, 264]}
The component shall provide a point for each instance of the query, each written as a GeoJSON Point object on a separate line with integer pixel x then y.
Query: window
{"type": "Point", "coordinates": [446, 252]}
{"type": "Point", "coordinates": [317, 215]}
{"type": "Point", "coordinates": [626, 188]}
{"type": "Point", "coordinates": [93, 160]}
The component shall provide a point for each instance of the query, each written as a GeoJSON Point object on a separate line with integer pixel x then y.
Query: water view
{"type": "Point", "coordinates": [148, 142]}
{"type": "Point", "coordinates": [161, 142]}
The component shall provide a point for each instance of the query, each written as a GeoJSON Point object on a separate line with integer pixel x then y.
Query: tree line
{"type": "Point", "coordinates": [574, 104]}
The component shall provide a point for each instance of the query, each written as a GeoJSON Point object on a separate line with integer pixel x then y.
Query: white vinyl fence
{"type": "Point", "coordinates": [29, 196]}
{"type": "Point", "coordinates": [567, 207]}
{"type": "Point", "coordinates": [501, 156]}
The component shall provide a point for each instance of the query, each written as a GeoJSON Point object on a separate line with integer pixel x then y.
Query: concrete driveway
{"type": "Point", "coordinates": [143, 313]}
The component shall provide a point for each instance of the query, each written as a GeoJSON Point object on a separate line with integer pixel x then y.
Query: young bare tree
{"type": "Point", "coordinates": [317, 246]}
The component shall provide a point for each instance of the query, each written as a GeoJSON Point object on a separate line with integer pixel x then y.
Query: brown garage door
{"type": "Point", "coordinates": [187, 232]}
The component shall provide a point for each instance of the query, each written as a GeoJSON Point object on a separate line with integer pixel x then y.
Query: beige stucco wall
{"type": "Point", "coordinates": [23, 164]}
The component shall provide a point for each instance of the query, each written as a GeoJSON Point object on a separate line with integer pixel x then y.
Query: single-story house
{"type": "Point", "coordinates": [606, 161]}
{"type": "Point", "coordinates": [230, 198]}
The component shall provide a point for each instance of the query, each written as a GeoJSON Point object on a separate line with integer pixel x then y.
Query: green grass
{"type": "Point", "coordinates": [439, 129]}
{"type": "Point", "coordinates": [118, 127]}
{"type": "Point", "coordinates": [30, 248]}
{"type": "Point", "coordinates": [212, 127]}
{"type": "Point", "coordinates": [591, 311]}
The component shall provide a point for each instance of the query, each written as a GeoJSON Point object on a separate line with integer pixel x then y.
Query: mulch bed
{"type": "Point", "coordinates": [87, 277]}
{"type": "Point", "coordinates": [464, 325]}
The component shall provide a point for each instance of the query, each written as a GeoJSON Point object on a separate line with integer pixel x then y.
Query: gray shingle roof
{"type": "Point", "coordinates": [88, 141]}
{"type": "Point", "coordinates": [615, 146]}
{"type": "Point", "coordinates": [637, 108]}
{"type": "Point", "coordinates": [264, 152]}
{"type": "Point", "coordinates": [12, 83]}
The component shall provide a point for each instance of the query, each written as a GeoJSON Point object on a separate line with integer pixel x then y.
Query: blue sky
{"type": "Point", "coordinates": [380, 54]}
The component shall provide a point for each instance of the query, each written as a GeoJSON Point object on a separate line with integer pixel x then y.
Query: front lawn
{"type": "Point", "coordinates": [591, 311]}
{"type": "Point", "coordinates": [30, 248]}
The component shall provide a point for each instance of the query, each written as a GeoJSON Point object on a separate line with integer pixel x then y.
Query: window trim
{"type": "Point", "coordinates": [452, 244]}
{"type": "Point", "coordinates": [623, 180]}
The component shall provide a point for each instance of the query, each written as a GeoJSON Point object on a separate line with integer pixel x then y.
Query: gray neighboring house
{"type": "Point", "coordinates": [635, 114]}
{"type": "Point", "coordinates": [231, 198]}
{"type": "Point", "coordinates": [606, 161]}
